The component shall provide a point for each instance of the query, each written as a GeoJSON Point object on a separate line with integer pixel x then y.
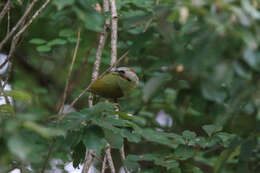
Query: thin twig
{"type": "Point", "coordinates": [102, 41]}
{"type": "Point", "coordinates": [113, 31]}
{"type": "Point", "coordinates": [44, 165]}
{"type": "Point", "coordinates": [101, 45]}
{"type": "Point", "coordinates": [32, 18]}
{"type": "Point", "coordinates": [122, 153]}
{"type": "Point", "coordinates": [63, 101]}
{"type": "Point", "coordinates": [4, 10]}
{"type": "Point", "coordinates": [109, 158]}
{"type": "Point", "coordinates": [24, 27]}
{"type": "Point", "coordinates": [22, 19]}
{"type": "Point", "coordinates": [104, 164]}
{"type": "Point", "coordinates": [8, 21]}
{"type": "Point", "coordinates": [88, 162]}
{"type": "Point", "coordinates": [149, 22]}
{"type": "Point", "coordinates": [78, 72]}
{"type": "Point", "coordinates": [4, 63]}
{"type": "Point", "coordinates": [9, 56]}
{"type": "Point", "coordinates": [69, 74]}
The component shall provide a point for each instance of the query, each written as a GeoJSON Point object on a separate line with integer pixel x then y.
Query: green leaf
{"type": "Point", "coordinates": [99, 108]}
{"type": "Point", "coordinates": [6, 109]}
{"type": "Point", "coordinates": [114, 139]}
{"type": "Point", "coordinates": [92, 19]}
{"type": "Point", "coordinates": [138, 120]}
{"type": "Point", "coordinates": [43, 131]}
{"type": "Point", "coordinates": [57, 41]}
{"type": "Point", "coordinates": [213, 93]}
{"type": "Point", "coordinates": [189, 168]}
{"type": "Point", "coordinates": [131, 136]}
{"type": "Point", "coordinates": [225, 155]}
{"type": "Point", "coordinates": [37, 41]}
{"type": "Point", "coordinates": [78, 155]}
{"type": "Point", "coordinates": [242, 71]}
{"type": "Point", "coordinates": [94, 139]}
{"type": "Point", "coordinates": [19, 147]}
{"type": "Point", "coordinates": [19, 95]}
{"type": "Point", "coordinates": [226, 138]}
{"type": "Point", "coordinates": [105, 125]}
{"type": "Point", "coordinates": [183, 152]}
{"type": "Point", "coordinates": [189, 134]}
{"type": "Point", "coordinates": [131, 162]}
{"type": "Point", "coordinates": [73, 39]}
{"type": "Point", "coordinates": [60, 4]}
{"type": "Point", "coordinates": [169, 164]}
{"type": "Point", "coordinates": [211, 129]}
{"type": "Point", "coordinates": [44, 48]}
{"type": "Point", "coordinates": [158, 137]}
{"type": "Point", "coordinates": [66, 33]}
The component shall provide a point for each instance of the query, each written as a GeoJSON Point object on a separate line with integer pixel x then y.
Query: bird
{"type": "Point", "coordinates": [116, 83]}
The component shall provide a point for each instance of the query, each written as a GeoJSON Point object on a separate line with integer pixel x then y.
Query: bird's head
{"type": "Point", "coordinates": [127, 73]}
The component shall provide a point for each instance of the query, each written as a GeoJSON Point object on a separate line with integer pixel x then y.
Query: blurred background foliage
{"type": "Point", "coordinates": [196, 108]}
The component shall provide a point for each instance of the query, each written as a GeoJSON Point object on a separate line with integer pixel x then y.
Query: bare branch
{"type": "Point", "coordinates": [122, 153]}
{"type": "Point", "coordinates": [101, 45]}
{"type": "Point", "coordinates": [113, 32]}
{"type": "Point", "coordinates": [8, 21]}
{"type": "Point", "coordinates": [69, 74]}
{"type": "Point", "coordinates": [104, 164]}
{"type": "Point", "coordinates": [4, 10]}
{"type": "Point", "coordinates": [31, 20]}
{"type": "Point", "coordinates": [109, 159]}
{"type": "Point", "coordinates": [22, 19]}
{"type": "Point", "coordinates": [48, 155]}
{"type": "Point", "coordinates": [9, 56]}
{"type": "Point", "coordinates": [88, 161]}
{"type": "Point", "coordinates": [62, 102]}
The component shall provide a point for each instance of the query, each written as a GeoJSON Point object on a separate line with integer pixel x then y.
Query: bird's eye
{"type": "Point", "coordinates": [121, 71]}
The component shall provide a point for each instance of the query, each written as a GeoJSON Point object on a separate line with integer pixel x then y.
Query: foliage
{"type": "Point", "coordinates": [198, 63]}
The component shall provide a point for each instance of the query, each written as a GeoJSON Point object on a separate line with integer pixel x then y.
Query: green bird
{"type": "Point", "coordinates": [117, 83]}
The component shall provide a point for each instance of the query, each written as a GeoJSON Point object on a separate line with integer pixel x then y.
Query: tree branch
{"type": "Point", "coordinates": [22, 19]}
{"type": "Point", "coordinates": [88, 162]}
{"type": "Point", "coordinates": [104, 164]}
{"type": "Point", "coordinates": [102, 41]}
{"type": "Point", "coordinates": [31, 20]}
{"type": "Point", "coordinates": [113, 31]}
{"type": "Point", "coordinates": [122, 152]}
{"type": "Point", "coordinates": [69, 74]}
{"type": "Point", "coordinates": [109, 158]}
{"type": "Point", "coordinates": [63, 101]}
{"type": "Point", "coordinates": [4, 10]}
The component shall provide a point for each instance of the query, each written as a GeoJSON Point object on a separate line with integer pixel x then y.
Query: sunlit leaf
{"type": "Point", "coordinates": [44, 48]}
{"type": "Point", "coordinates": [37, 41]}
{"type": "Point", "coordinates": [6, 109]}
{"type": "Point", "coordinates": [43, 131]}
{"type": "Point", "coordinates": [57, 41]}
{"type": "Point", "coordinates": [19, 95]}
{"type": "Point", "coordinates": [18, 146]}
{"type": "Point", "coordinates": [211, 129]}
